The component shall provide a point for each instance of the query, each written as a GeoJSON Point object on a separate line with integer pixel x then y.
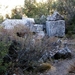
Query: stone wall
{"type": "Point", "coordinates": [55, 24]}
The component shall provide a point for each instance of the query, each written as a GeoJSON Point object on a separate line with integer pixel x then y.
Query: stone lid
{"type": "Point", "coordinates": [54, 17]}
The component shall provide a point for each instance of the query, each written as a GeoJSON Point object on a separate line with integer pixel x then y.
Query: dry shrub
{"type": "Point", "coordinates": [41, 68]}
{"type": "Point", "coordinates": [18, 28]}
{"type": "Point", "coordinates": [30, 53]}
{"type": "Point", "coordinates": [27, 39]}
{"type": "Point", "coordinates": [28, 57]}
{"type": "Point", "coordinates": [3, 34]}
{"type": "Point", "coordinates": [4, 45]}
{"type": "Point", "coordinates": [21, 28]}
{"type": "Point", "coordinates": [47, 42]}
{"type": "Point", "coordinates": [12, 33]}
{"type": "Point", "coordinates": [44, 67]}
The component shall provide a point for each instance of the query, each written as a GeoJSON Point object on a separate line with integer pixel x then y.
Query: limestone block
{"type": "Point", "coordinates": [55, 28]}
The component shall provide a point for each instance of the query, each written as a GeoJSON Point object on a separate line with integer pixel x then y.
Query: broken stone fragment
{"type": "Point", "coordinates": [54, 17]}
{"type": "Point", "coordinates": [63, 54]}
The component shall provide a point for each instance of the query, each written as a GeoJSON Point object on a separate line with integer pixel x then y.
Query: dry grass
{"type": "Point", "coordinates": [11, 34]}
{"type": "Point", "coordinates": [72, 69]}
{"type": "Point", "coordinates": [44, 67]}
{"type": "Point", "coordinates": [47, 43]}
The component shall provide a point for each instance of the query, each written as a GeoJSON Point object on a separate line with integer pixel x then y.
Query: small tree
{"type": "Point", "coordinates": [1, 18]}
{"type": "Point", "coordinates": [16, 14]}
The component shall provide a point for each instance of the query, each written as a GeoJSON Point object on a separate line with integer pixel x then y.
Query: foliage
{"type": "Point", "coordinates": [4, 45]}
{"type": "Point", "coordinates": [30, 8]}
{"type": "Point", "coordinates": [25, 52]}
{"type": "Point", "coordinates": [7, 16]}
{"type": "Point", "coordinates": [1, 18]}
{"type": "Point", "coordinates": [40, 20]}
{"type": "Point", "coordinates": [16, 14]}
{"type": "Point", "coordinates": [3, 52]}
{"type": "Point", "coordinates": [33, 9]}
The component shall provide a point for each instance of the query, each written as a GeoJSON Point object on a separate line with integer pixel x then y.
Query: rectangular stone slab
{"type": "Point", "coordinates": [55, 28]}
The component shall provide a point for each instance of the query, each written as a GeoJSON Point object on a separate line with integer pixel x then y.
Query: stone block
{"type": "Point", "coordinates": [55, 28]}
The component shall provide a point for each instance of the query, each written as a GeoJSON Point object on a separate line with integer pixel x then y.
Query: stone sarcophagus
{"type": "Point", "coordinates": [55, 25]}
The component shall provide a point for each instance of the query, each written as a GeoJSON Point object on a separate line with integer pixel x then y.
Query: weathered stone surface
{"type": "Point", "coordinates": [40, 35]}
{"type": "Point", "coordinates": [60, 50]}
{"type": "Point", "coordinates": [55, 28]}
{"type": "Point", "coordinates": [28, 21]}
{"type": "Point", "coordinates": [45, 57]}
{"type": "Point", "coordinates": [10, 23]}
{"type": "Point", "coordinates": [55, 16]}
{"type": "Point", "coordinates": [37, 27]}
{"type": "Point", "coordinates": [63, 53]}
{"type": "Point", "coordinates": [56, 54]}
{"type": "Point", "coordinates": [55, 25]}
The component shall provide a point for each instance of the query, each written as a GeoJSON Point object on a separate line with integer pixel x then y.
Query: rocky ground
{"type": "Point", "coordinates": [62, 67]}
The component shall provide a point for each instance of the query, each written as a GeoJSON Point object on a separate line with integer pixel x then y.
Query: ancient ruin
{"type": "Point", "coordinates": [55, 25]}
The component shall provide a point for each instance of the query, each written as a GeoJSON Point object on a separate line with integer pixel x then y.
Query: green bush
{"type": "Point", "coordinates": [40, 20]}
{"type": "Point", "coordinates": [1, 18]}
{"type": "Point", "coordinates": [3, 52]}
